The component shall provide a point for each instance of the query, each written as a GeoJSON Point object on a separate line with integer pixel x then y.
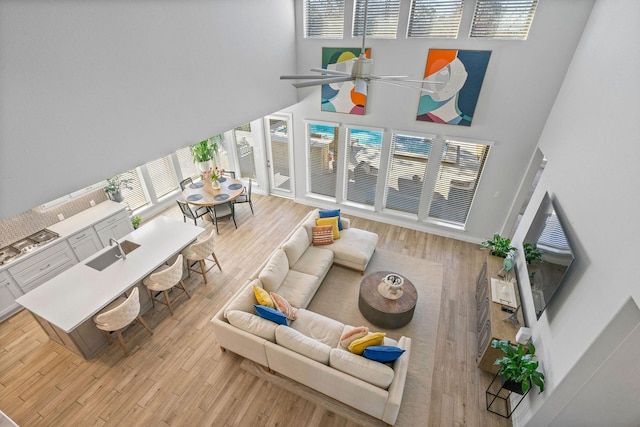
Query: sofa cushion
{"type": "Point", "coordinates": [355, 247]}
{"type": "Point", "coordinates": [271, 314]}
{"type": "Point", "coordinates": [263, 297]}
{"type": "Point", "coordinates": [321, 235]}
{"type": "Point", "coordinates": [296, 245]}
{"type": "Point", "coordinates": [380, 353]}
{"type": "Point", "coordinates": [244, 299]}
{"type": "Point", "coordinates": [315, 261]}
{"type": "Point", "coordinates": [274, 271]}
{"type": "Point", "coordinates": [310, 222]}
{"type": "Point", "coordinates": [333, 221]}
{"type": "Point", "coordinates": [253, 324]}
{"type": "Point", "coordinates": [351, 333]}
{"type": "Point", "coordinates": [299, 288]}
{"type": "Point", "coordinates": [302, 344]}
{"type": "Point", "coordinates": [283, 306]}
{"type": "Point", "coordinates": [374, 338]}
{"type": "Point", "coordinates": [318, 327]}
{"type": "Point", "coordinates": [367, 370]}
{"type": "Point", "coordinates": [331, 213]}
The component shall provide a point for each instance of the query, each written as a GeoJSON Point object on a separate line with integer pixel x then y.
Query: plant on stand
{"type": "Point", "coordinates": [115, 185]}
{"type": "Point", "coordinates": [518, 368]}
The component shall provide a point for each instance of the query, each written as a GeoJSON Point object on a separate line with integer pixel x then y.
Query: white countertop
{"type": "Point", "coordinates": [78, 293]}
{"type": "Point", "coordinates": [86, 218]}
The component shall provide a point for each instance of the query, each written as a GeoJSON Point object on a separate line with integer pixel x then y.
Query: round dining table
{"type": "Point", "coordinates": [200, 194]}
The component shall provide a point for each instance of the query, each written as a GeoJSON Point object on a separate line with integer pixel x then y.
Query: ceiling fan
{"type": "Point", "coordinates": [360, 73]}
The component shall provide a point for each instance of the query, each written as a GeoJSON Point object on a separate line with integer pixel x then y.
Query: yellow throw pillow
{"type": "Point", "coordinates": [358, 346]}
{"type": "Point", "coordinates": [263, 297]}
{"type": "Point", "coordinates": [330, 221]}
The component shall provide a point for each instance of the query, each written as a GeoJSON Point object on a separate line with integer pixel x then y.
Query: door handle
{"type": "Point", "coordinates": [268, 163]}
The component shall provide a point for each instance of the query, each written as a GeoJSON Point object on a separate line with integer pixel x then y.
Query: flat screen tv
{"type": "Point", "coordinates": [547, 234]}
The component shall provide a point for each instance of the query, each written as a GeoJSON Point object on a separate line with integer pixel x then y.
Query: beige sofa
{"type": "Point", "coordinates": [308, 350]}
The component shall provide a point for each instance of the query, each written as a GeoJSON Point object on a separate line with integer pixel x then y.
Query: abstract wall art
{"type": "Point", "coordinates": [455, 78]}
{"type": "Point", "coordinates": [341, 97]}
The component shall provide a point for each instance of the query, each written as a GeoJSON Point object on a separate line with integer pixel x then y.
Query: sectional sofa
{"type": "Point", "coordinates": [309, 349]}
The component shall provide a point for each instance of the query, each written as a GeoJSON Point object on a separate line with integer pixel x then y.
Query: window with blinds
{"type": "Point", "coordinates": [135, 197]}
{"type": "Point", "coordinates": [324, 19]}
{"type": "Point", "coordinates": [322, 143]}
{"type": "Point", "coordinates": [188, 169]}
{"type": "Point", "coordinates": [382, 18]}
{"type": "Point", "coordinates": [244, 151]}
{"type": "Point", "coordinates": [362, 165]}
{"type": "Point", "coordinates": [163, 176]}
{"type": "Point", "coordinates": [407, 166]}
{"type": "Point", "coordinates": [435, 18]}
{"type": "Point", "coordinates": [503, 19]}
{"type": "Point", "coordinates": [461, 165]}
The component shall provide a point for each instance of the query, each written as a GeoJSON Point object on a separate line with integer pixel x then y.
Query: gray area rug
{"type": "Point", "coordinates": [338, 298]}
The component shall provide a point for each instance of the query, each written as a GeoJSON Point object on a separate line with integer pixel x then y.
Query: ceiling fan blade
{"type": "Point", "coordinates": [334, 72]}
{"type": "Point", "coordinates": [423, 81]}
{"type": "Point", "coordinates": [303, 77]}
{"type": "Point", "coordinates": [323, 81]}
{"type": "Point", "coordinates": [361, 86]}
{"type": "Point", "coordinates": [389, 77]}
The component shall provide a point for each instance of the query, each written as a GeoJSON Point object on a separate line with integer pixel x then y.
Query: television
{"type": "Point", "coordinates": [547, 234]}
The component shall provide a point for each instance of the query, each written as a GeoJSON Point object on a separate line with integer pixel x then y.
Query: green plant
{"type": "Point", "coordinates": [203, 150]}
{"type": "Point", "coordinates": [531, 253]}
{"type": "Point", "coordinates": [117, 183]}
{"type": "Point", "coordinates": [518, 365]}
{"type": "Point", "coordinates": [135, 221]}
{"type": "Point", "coordinates": [499, 246]}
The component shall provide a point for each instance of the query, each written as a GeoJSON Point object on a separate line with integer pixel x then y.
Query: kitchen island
{"type": "Point", "coordinates": [65, 305]}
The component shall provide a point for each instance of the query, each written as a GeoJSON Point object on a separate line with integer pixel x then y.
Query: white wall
{"type": "Point", "coordinates": [102, 86]}
{"type": "Point", "coordinates": [591, 141]}
{"type": "Point", "coordinates": [520, 86]}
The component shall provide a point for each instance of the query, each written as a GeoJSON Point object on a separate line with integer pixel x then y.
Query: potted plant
{"type": "Point", "coordinates": [135, 221]}
{"type": "Point", "coordinates": [203, 151]}
{"type": "Point", "coordinates": [518, 368]}
{"type": "Point", "coordinates": [114, 187]}
{"type": "Point", "coordinates": [499, 246]}
{"type": "Point", "coordinates": [531, 253]}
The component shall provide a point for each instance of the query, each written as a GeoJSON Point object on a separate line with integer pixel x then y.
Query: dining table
{"type": "Point", "coordinates": [200, 193]}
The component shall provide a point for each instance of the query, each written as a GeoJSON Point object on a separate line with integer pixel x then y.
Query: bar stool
{"type": "Point", "coordinates": [119, 314]}
{"type": "Point", "coordinates": [164, 278]}
{"type": "Point", "coordinates": [201, 250]}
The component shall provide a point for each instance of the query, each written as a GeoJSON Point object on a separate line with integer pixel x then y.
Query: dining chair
{"type": "Point", "coordinates": [245, 197]}
{"type": "Point", "coordinates": [231, 174]}
{"type": "Point", "coordinates": [187, 212]}
{"type": "Point", "coordinates": [223, 211]}
{"type": "Point", "coordinates": [164, 278]}
{"type": "Point", "coordinates": [200, 251]}
{"type": "Point", "coordinates": [185, 182]}
{"type": "Point", "coordinates": [120, 314]}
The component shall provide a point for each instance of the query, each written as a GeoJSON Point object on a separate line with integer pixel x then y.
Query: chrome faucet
{"type": "Point", "coordinates": [122, 254]}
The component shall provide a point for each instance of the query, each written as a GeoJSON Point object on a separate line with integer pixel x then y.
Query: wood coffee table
{"type": "Point", "coordinates": [384, 312]}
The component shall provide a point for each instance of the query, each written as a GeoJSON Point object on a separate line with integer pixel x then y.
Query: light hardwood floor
{"type": "Point", "coordinates": [180, 377]}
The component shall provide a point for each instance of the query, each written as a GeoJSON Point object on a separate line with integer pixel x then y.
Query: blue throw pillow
{"type": "Point", "coordinates": [331, 214]}
{"type": "Point", "coordinates": [271, 314]}
{"type": "Point", "coordinates": [383, 353]}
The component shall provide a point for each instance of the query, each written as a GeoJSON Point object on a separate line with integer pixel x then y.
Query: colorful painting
{"type": "Point", "coordinates": [341, 97]}
{"type": "Point", "coordinates": [455, 78]}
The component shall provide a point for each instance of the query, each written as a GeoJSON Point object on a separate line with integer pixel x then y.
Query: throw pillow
{"type": "Point", "coordinates": [358, 346]}
{"type": "Point", "coordinates": [383, 353]}
{"type": "Point", "coordinates": [283, 306]}
{"type": "Point", "coordinates": [322, 235]}
{"type": "Point", "coordinates": [271, 314]}
{"type": "Point", "coordinates": [353, 334]}
{"type": "Point", "coordinates": [331, 213]}
{"type": "Point", "coordinates": [263, 297]}
{"type": "Point", "coordinates": [330, 221]}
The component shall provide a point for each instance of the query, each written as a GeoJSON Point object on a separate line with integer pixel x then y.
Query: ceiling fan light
{"type": "Point", "coordinates": [361, 86]}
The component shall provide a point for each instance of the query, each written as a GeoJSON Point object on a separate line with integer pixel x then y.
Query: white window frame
{"type": "Point", "coordinates": [345, 167]}
{"type": "Point", "coordinates": [307, 153]}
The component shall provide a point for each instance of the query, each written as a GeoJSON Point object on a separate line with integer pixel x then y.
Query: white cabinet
{"type": "Point", "coordinates": [9, 291]}
{"type": "Point", "coordinates": [116, 226]}
{"type": "Point", "coordinates": [44, 265]}
{"type": "Point", "coordinates": [85, 243]}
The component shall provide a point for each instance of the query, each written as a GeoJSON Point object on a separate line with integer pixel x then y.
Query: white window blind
{"type": "Point", "coordinates": [245, 151]}
{"type": "Point", "coordinates": [322, 143]}
{"type": "Point", "coordinates": [135, 197]}
{"type": "Point", "coordinates": [460, 168]}
{"type": "Point", "coordinates": [407, 167]}
{"type": "Point", "coordinates": [435, 18]}
{"type": "Point", "coordinates": [503, 19]}
{"type": "Point", "coordinates": [382, 18]}
{"type": "Point", "coordinates": [363, 163]}
{"type": "Point", "coordinates": [163, 177]}
{"type": "Point", "coordinates": [324, 19]}
{"type": "Point", "coordinates": [188, 169]}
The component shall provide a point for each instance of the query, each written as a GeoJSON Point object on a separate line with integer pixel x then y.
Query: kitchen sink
{"type": "Point", "coordinates": [112, 255]}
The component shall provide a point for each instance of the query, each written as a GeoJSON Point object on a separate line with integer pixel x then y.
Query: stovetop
{"type": "Point", "coordinates": [26, 245]}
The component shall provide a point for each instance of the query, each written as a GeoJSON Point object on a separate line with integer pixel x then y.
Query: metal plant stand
{"type": "Point", "coordinates": [498, 398]}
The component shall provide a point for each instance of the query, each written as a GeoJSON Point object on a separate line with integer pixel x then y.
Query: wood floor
{"type": "Point", "coordinates": [179, 376]}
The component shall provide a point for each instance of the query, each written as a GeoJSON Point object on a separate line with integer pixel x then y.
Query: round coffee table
{"type": "Point", "coordinates": [384, 312]}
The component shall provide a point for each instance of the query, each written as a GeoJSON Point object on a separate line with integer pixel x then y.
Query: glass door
{"type": "Point", "coordinates": [279, 144]}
